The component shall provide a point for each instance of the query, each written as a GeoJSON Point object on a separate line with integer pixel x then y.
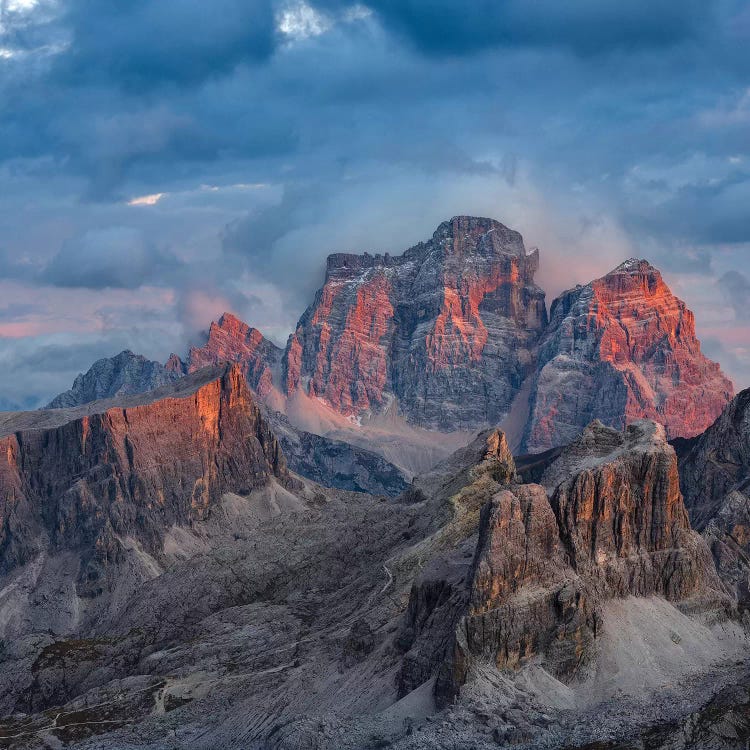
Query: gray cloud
{"type": "Point", "coordinates": [736, 287]}
{"type": "Point", "coordinates": [140, 45]}
{"type": "Point", "coordinates": [119, 257]}
{"type": "Point", "coordinates": [598, 128]}
{"type": "Point", "coordinates": [585, 26]}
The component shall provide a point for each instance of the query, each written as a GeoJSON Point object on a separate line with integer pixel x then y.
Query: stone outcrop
{"type": "Point", "coordinates": [622, 517]}
{"type": "Point", "coordinates": [607, 521]}
{"type": "Point", "coordinates": [132, 471]}
{"type": "Point", "coordinates": [447, 329]}
{"type": "Point", "coordinates": [335, 463]}
{"type": "Point", "coordinates": [619, 349]}
{"type": "Point", "coordinates": [455, 492]}
{"type": "Point", "coordinates": [231, 340]}
{"type": "Point", "coordinates": [715, 479]}
{"type": "Point", "coordinates": [523, 600]}
{"type": "Point", "coordinates": [121, 375]}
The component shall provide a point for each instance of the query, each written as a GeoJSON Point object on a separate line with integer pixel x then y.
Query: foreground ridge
{"type": "Point", "coordinates": [171, 584]}
{"type": "Point", "coordinates": [131, 471]}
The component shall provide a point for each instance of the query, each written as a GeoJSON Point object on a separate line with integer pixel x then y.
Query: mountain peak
{"type": "Point", "coordinates": [478, 234]}
{"type": "Point", "coordinates": [230, 320]}
{"type": "Point", "coordinates": [124, 374]}
{"type": "Point", "coordinates": [232, 340]}
{"type": "Point", "coordinates": [626, 346]}
{"type": "Point", "coordinates": [634, 265]}
{"type": "Point", "coordinates": [446, 328]}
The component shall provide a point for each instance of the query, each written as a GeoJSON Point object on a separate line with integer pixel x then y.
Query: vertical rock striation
{"type": "Point", "coordinates": [619, 349]}
{"type": "Point", "coordinates": [132, 471]}
{"type": "Point", "coordinates": [715, 479]}
{"type": "Point", "coordinates": [447, 328]}
{"type": "Point", "coordinates": [607, 521]}
{"type": "Point", "coordinates": [231, 340]}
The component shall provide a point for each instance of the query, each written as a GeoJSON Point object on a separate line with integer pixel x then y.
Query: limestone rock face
{"type": "Point", "coordinates": [231, 340]}
{"type": "Point", "coordinates": [715, 479]}
{"type": "Point", "coordinates": [619, 349]}
{"type": "Point", "coordinates": [335, 463]}
{"type": "Point", "coordinates": [622, 517]}
{"type": "Point", "coordinates": [523, 597]}
{"type": "Point", "coordinates": [122, 375]}
{"type": "Point", "coordinates": [608, 521]}
{"type": "Point", "coordinates": [447, 328]}
{"type": "Point", "coordinates": [132, 471]}
{"type": "Point", "coordinates": [456, 490]}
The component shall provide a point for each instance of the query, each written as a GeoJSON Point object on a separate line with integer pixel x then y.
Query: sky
{"type": "Point", "coordinates": [161, 162]}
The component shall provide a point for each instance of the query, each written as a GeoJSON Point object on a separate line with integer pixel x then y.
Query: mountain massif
{"type": "Point", "coordinates": [619, 349]}
{"type": "Point", "coordinates": [340, 545]}
{"type": "Point", "coordinates": [166, 581]}
{"type": "Point", "coordinates": [453, 336]}
{"type": "Point", "coordinates": [447, 329]}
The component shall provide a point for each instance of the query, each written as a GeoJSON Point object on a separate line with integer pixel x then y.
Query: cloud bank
{"type": "Point", "coordinates": [159, 161]}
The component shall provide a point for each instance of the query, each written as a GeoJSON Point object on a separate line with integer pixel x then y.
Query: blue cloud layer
{"type": "Point", "coordinates": [280, 131]}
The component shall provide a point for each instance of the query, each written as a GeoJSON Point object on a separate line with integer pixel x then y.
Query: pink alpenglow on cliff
{"type": "Point", "coordinates": [231, 340]}
{"type": "Point", "coordinates": [619, 349]}
{"type": "Point", "coordinates": [447, 330]}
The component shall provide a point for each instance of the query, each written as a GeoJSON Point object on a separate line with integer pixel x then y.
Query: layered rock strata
{"type": "Point", "coordinates": [447, 329]}
{"type": "Point", "coordinates": [607, 521]}
{"type": "Point", "coordinates": [231, 340]}
{"type": "Point", "coordinates": [132, 471]}
{"type": "Point", "coordinates": [715, 479]}
{"type": "Point", "coordinates": [622, 348]}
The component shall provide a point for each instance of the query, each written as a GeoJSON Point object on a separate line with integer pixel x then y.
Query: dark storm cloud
{"type": "Point", "coordinates": [141, 44]}
{"type": "Point", "coordinates": [119, 257]}
{"type": "Point", "coordinates": [279, 131]}
{"type": "Point", "coordinates": [586, 26]}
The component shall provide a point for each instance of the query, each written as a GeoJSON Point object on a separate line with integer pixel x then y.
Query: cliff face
{"type": "Point", "coordinates": [122, 375]}
{"type": "Point", "coordinates": [447, 328]}
{"type": "Point", "coordinates": [132, 472]}
{"type": "Point", "coordinates": [231, 340]}
{"type": "Point", "coordinates": [454, 332]}
{"type": "Point", "coordinates": [715, 479]}
{"type": "Point", "coordinates": [335, 463]}
{"type": "Point", "coordinates": [608, 521]}
{"type": "Point", "coordinates": [619, 349]}
{"type": "Point", "coordinates": [621, 514]}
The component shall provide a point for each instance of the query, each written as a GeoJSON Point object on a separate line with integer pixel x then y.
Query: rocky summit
{"type": "Point", "coordinates": [446, 330]}
{"type": "Point", "coordinates": [109, 474]}
{"type": "Point", "coordinates": [619, 349]}
{"type": "Point", "coordinates": [122, 375]}
{"type": "Point", "coordinates": [607, 521]}
{"type": "Point", "coordinates": [231, 340]}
